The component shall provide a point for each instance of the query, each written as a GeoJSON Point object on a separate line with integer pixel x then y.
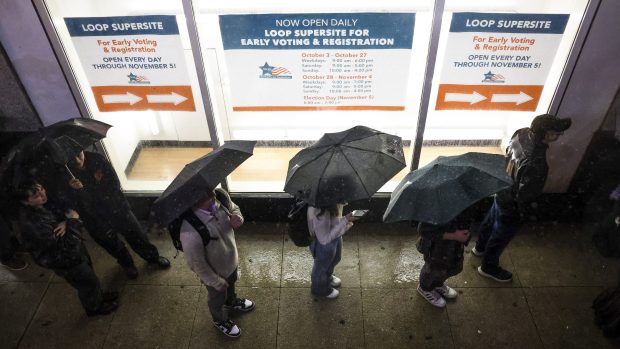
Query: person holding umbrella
{"type": "Point", "coordinates": [106, 212]}
{"type": "Point", "coordinates": [56, 244]}
{"type": "Point", "coordinates": [442, 247]}
{"type": "Point", "coordinates": [216, 263]}
{"type": "Point", "coordinates": [439, 195]}
{"type": "Point", "coordinates": [340, 167]}
{"type": "Point", "coordinates": [213, 257]}
{"type": "Point", "coordinates": [328, 225]}
{"type": "Point", "coordinates": [526, 156]}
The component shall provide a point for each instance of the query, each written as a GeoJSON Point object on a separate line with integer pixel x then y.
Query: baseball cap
{"type": "Point", "coordinates": [547, 122]}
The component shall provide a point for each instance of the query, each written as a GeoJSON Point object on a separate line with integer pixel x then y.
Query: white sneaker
{"type": "Point", "coordinates": [432, 297]}
{"type": "Point", "coordinates": [228, 328]}
{"type": "Point", "coordinates": [333, 295]}
{"type": "Point", "coordinates": [477, 253]}
{"type": "Point", "coordinates": [335, 281]}
{"type": "Point", "coordinates": [447, 292]}
{"type": "Point", "coordinates": [240, 304]}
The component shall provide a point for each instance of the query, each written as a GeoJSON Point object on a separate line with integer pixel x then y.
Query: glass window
{"type": "Point", "coordinates": [498, 64]}
{"type": "Point", "coordinates": [133, 63]}
{"type": "Point", "coordinates": [286, 74]}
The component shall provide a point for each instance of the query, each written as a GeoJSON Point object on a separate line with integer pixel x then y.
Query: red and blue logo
{"type": "Point", "coordinates": [271, 72]}
{"type": "Point", "coordinates": [493, 78]}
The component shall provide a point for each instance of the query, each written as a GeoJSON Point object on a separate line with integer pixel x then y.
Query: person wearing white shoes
{"type": "Point", "coordinates": [442, 247]}
{"type": "Point", "coordinates": [327, 225]}
{"type": "Point", "coordinates": [215, 262]}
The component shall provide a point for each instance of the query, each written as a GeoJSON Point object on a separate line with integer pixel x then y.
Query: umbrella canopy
{"type": "Point", "coordinates": [344, 166]}
{"type": "Point", "coordinates": [68, 138]}
{"type": "Point", "coordinates": [57, 143]}
{"type": "Point", "coordinates": [439, 191]}
{"type": "Point", "coordinates": [198, 177]}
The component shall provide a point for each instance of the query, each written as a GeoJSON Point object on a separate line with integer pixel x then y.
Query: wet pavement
{"type": "Point", "coordinates": [547, 305]}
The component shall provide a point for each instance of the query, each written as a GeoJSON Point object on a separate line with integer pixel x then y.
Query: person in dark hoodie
{"type": "Point", "coordinates": [106, 212]}
{"type": "Point", "coordinates": [56, 243]}
{"type": "Point", "coordinates": [526, 157]}
{"type": "Point", "coordinates": [442, 247]}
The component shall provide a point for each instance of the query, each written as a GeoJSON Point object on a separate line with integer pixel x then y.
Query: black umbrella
{"type": "Point", "coordinates": [344, 166]}
{"type": "Point", "coordinates": [55, 144]}
{"type": "Point", "coordinates": [198, 177]}
{"type": "Point", "coordinates": [439, 191]}
{"type": "Point", "coordinates": [68, 138]}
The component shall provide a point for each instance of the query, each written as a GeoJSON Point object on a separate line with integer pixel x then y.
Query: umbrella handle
{"type": "Point", "coordinates": [71, 173]}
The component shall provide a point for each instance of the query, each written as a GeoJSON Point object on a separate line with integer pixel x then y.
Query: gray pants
{"type": "Point", "coordinates": [326, 257]}
{"type": "Point", "coordinates": [217, 300]}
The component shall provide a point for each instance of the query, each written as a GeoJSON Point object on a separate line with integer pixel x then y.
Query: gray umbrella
{"type": "Point", "coordinates": [439, 191]}
{"type": "Point", "coordinates": [198, 177]}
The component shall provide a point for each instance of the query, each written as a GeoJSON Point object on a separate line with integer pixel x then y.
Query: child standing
{"type": "Point", "coordinates": [442, 246]}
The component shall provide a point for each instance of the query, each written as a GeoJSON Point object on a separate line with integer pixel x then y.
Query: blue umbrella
{"type": "Point", "coordinates": [439, 191]}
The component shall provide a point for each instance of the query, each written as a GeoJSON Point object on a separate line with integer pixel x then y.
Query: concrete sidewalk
{"type": "Point", "coordinates": [557, 275]}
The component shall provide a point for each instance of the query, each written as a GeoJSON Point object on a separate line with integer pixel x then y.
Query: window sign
{"type": "Point", "coordinates": [299, 62]}
{"type": "Point", "coordinates": [498, 61]}
{"type": "Point", "coordinates": [133, 62]}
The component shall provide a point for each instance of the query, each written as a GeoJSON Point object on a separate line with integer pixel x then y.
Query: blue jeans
{"type": "Point", "coordinates": [326, 257]}
{"type": "Point", "coordinates": [496, 231]}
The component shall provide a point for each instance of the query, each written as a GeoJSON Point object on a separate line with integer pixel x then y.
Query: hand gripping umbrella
{"type": "Point", "coordinates": [439, 191]}
{"type": "Point", "coordinates": [59, 142]}
{"type": "Point", "coordinates": [344, 166]}
{"type": "Point", "coordinates": [198, 177]}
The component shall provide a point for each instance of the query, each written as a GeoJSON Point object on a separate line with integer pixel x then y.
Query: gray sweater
{"type": "Point", "coordinates": [219, 259]}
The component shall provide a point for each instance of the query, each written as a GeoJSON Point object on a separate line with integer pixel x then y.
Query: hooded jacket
{"type": "Point", "coordinates": [526, 163]}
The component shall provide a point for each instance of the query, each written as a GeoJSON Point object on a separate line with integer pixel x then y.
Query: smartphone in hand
{"type": "Point", "coordinates": [359, 213]}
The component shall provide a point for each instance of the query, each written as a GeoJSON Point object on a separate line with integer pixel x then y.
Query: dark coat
{"type": "Point", "coordinates": [526, 159]}
{"type": "Point", "coordinates": [101, 199]}
{"type": "Point", "coordinates": [37, 232]}
{"type": "Point", "coordinates": [430, 234]}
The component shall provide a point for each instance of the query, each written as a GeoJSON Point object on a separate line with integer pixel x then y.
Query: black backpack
{"type": "Point", "coordinates": [298, 224]}
{"type": "Point", "coordinates": [174, 228]}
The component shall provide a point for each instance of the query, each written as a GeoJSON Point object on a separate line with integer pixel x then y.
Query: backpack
{"type": "Point", "coordinates": [298, 224]}
{"type": "Point", "coordinates": [174, 228]}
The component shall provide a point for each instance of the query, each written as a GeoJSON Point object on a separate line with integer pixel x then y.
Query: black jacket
{"type": "Point", "coordinates": [526, 163]}
{"type": "Point", "coordinates": [37, 231]}
{"type": "Point", "coordinates": [101, 198]}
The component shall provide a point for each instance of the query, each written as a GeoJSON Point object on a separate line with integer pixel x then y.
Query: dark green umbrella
{"type": "Point", "coordinates": [198, 177]}
{"type": "Point", "coordinates": [439, 191]}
